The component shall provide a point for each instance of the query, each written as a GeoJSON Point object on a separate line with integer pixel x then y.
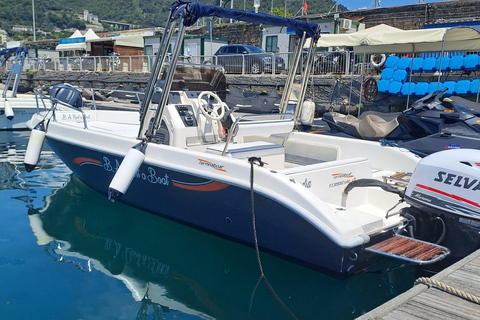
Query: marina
{"type": "Point", "coordinates": [321, 201]}
{"type": "Point", "coordinates": [184, 206]}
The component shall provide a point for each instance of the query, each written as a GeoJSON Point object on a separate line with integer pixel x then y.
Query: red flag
{"type": "Point", "coordinates": [305, 6]}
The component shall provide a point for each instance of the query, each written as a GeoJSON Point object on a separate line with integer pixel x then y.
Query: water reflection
{"type": "Point", "coordinates": [12, 171]}
{"type": "Point", "coordinates": [176, 270]}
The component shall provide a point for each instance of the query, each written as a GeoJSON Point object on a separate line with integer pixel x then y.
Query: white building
{"type": "Point", "coordinates": [19, 28]}
{"type": "Point", "coordinates": [282, 39]}
{"type": "Point", "coordinates": [89, 17]}
{"type": "Point", "coordinates": [3, 37]}
{"type": "Point", "coordinates": [197, 46]}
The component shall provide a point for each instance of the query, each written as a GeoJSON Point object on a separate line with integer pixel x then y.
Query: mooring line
{"type": "Point", "coordinates": [259, 161]}
{"type": "Point", "coordinates": [448, 289]}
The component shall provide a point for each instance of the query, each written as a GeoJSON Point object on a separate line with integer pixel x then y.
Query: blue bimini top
{"type": "Point", "coordinates": [192, 11]}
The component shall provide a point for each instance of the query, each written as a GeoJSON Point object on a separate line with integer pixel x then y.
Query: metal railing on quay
{"type": "Point", "coordinates": [265, 63]}
{"type": "Point", "coordinates": [325, 62]}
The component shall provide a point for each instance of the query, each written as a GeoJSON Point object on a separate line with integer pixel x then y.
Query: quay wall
{"type": "Point", "coordinates": [324, 91]}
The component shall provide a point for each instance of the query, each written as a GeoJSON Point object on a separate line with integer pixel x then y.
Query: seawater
{"type": "Point", "coordinates": [66, 252]}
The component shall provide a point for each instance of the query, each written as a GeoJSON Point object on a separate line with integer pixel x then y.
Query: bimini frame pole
{"type": "Point", "coordinates": [362, 70]}
{"type": "Point", "coordinates": [410, 81]}
{"type": "Point", "coordinates": [305, 77]}
{"type": "Point", "coordinates": [291, 74]}
{"type": "Point", "coordinates": [155, 125]}
{"type": "Point", "coordinates": [478, 91]}
{"type": "Point", "coordinates": [441, 59]}
{"type": "Point", "coordinates": [145, 111]}
{"type": "Point", "coordinates": [16, 71]}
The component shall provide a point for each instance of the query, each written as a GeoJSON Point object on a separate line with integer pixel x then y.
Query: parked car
{"type": "Point", "coordinates": [238, 58]}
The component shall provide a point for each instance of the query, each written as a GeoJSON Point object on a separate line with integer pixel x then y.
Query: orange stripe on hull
{"type": "Point", "coordinates": [80, 161]}
{"type": "Point", "coordinates": [211, 186]}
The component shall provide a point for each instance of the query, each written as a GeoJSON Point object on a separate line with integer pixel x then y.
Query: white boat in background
{"type": "Point", "coordinates": [320, 201]}
{"type": "Point", "coordinates": [15, 109]}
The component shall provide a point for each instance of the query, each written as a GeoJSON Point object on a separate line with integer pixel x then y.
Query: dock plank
{"type": "Point", "coordinates": [424, 303]}
{"type": "Point", "coordinates": [435, 302]}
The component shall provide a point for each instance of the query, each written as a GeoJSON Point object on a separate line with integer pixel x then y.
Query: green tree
{"type": "Point", "coordinates": [281, 12]}
{"type": "Point", "coordinates": [53, 14]}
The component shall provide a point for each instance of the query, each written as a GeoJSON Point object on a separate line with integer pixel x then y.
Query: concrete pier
{"type": "Point", "coordinates": [460, 281]}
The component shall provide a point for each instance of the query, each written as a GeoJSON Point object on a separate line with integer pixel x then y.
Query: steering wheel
{"type": "Point", "coordinates": [211, 109]}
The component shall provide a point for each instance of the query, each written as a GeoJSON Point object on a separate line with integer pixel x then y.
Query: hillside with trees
{"type": "Point", "coordinates": [63, 14]}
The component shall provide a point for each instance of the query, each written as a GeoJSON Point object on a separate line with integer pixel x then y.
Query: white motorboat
{"type": "Point", "coordinates": [333, 205]}
{"type": "Point", "coordinates": [15, 109]}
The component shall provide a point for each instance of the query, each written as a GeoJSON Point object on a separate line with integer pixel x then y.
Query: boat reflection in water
{"type": "Point", "coordinates": [11, 159]}
{"type": "Point", "coordinates": [176, 270]}
{"type": "Point", "coordinates": [12, 171]}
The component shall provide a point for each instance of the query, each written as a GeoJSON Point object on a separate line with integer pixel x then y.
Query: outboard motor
{"type": "Point", "coordinates": [449, 181]}
{"type": "Point", "coordinates": [68, 94]}
{"type": "Point", "coordinates": [444, 192]}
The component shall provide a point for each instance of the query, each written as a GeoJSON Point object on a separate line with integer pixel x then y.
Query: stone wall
{"type": "Point", "coordinates": [326, 90]}
{"type": "Point", "coordinates": [109, 80]}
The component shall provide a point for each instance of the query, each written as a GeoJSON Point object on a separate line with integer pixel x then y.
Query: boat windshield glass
{"type": "Point", "coordinates": [198, 77]}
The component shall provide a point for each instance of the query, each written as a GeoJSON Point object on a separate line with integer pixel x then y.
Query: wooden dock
{"type": "Point", "coordinates": [429, 302]}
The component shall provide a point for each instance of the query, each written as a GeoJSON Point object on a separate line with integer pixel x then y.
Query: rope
{"type": "Point", "coordinates": [446, 288]}
{"type": "Point", "coordinates": [259, 161]}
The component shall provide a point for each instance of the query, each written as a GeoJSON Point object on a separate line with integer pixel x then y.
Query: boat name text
{"type": "Point", "coordinates": [150, 176]}
{"type": "Point", "coordinates": [74, 116]}
{"type": "Point", "coordinates": [458, 181]}
{"type": "Point", "coordinates": [131, 257]}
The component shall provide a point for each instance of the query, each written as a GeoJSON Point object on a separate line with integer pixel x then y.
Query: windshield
{"type": "Point", "coordinates": [253, 49]}
{"type": "Point", "coordinates": [198, 77]}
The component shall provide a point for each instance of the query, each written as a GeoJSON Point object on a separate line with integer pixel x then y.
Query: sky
{"type": "Point", "coordinates": [357, 4]}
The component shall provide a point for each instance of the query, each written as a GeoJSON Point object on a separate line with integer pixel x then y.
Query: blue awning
{"type": "Point", "coordinates": [192, 11]}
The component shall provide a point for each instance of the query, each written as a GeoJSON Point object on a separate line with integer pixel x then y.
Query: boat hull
{"type": "Point", "coordinates": [23, 110]}
{"type": "Point", "coordinates": [218, 207]}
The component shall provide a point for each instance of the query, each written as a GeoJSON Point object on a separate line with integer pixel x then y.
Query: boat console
{"type": "Point", "coordinates": [186, 125]}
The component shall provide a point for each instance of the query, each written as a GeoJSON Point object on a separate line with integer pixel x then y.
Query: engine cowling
{"type": "Point", "coordinates": [448, 181]}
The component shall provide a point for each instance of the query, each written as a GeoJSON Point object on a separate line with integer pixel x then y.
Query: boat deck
{"type": "Point", "coordinates": [128, 131]}
{"type": "Point", "coordinates": [425, 301]}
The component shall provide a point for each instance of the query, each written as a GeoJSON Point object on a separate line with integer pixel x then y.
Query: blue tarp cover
{"type": "Point", "coordinates": [192, 11]}
{"type": "Point", "coordinates": [13, 50]}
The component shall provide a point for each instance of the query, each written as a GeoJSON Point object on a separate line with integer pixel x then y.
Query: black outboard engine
{"type": "Point", "coordinates": [68, 94]}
